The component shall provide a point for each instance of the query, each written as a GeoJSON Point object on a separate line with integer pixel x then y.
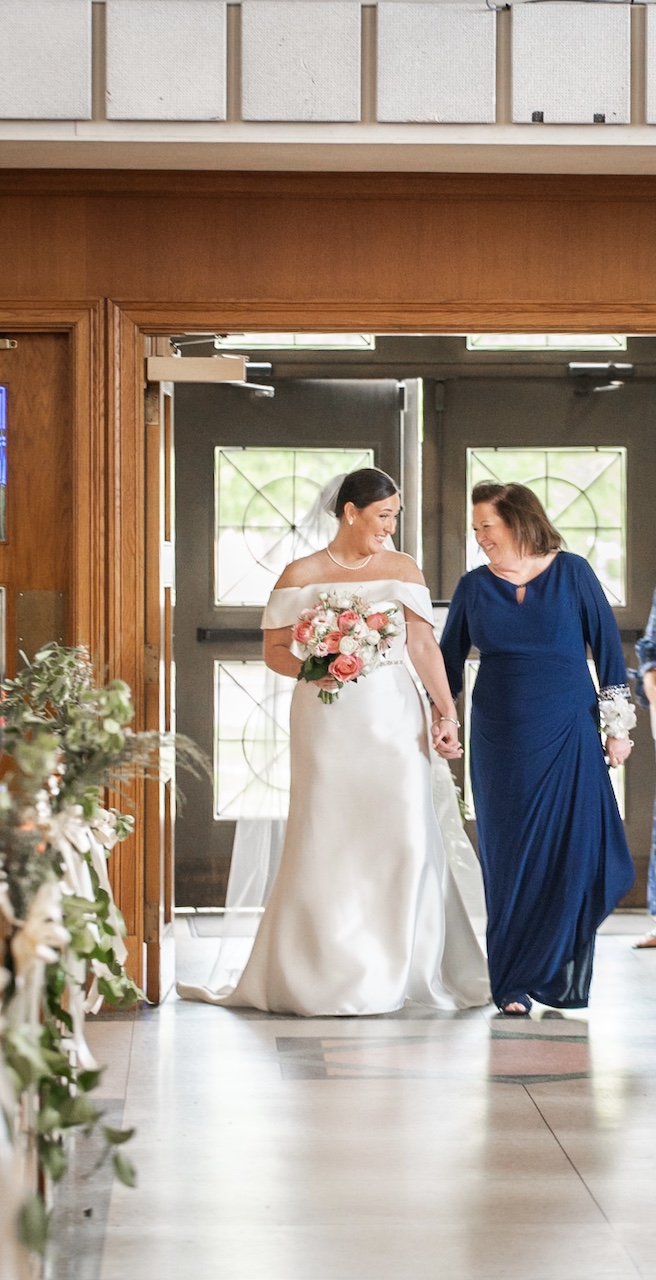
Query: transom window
{"type": "Point", "coordinates": [546, 342]}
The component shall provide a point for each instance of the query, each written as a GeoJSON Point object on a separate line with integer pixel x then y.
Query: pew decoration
{"type": "Point", "coordinates": [62, 950]}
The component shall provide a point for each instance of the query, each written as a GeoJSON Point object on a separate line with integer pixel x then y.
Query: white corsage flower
{"type": "Point", "coordinates": [616, 714]}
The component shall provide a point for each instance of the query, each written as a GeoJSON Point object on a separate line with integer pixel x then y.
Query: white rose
{"type": "Point", "coordinates": [344, 603]}
{"type": "Point", "coordinates": [372, 638]}
{"type": "Point", "coordinates": [347, 645]}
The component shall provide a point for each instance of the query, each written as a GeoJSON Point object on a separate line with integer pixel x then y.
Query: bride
{"type": "Point", "coordinates": [364, 914]}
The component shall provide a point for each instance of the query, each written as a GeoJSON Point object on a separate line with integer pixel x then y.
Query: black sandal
{"type": "Point", "coordinates": [523, 1000]}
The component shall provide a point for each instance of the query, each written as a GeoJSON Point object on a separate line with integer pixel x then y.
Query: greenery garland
{"type": "Point", "coordinates": [64, 739]}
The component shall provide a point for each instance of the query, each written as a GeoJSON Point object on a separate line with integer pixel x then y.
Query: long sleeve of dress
{"type": "Point", "coordinates": [601, 633]}
{"type": "Point", "coordinates": [456, 642]}
{"type": "Point", "coordinates": [646, 647]}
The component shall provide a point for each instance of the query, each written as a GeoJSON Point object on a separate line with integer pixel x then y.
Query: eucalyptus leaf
{"type": "Point", "coordinates": [116, 1137]}
{"type": "Point", "coordinates": [32, 1224]}
{"type": "Point", "coordinates": [124, 1169]}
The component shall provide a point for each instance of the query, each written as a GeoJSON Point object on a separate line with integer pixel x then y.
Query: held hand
{"type": "Point", "coordinates": [327, 682]}
{"type": "Point", "coordinates": [618, 750]}
{"type": "Point", "coordinates": [445, 739]}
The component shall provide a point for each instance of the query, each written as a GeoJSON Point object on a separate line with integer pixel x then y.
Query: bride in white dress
{"type": "Point", "coordinates": [365, 913]}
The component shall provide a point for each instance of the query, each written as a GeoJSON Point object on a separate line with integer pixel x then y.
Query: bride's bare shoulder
{"type": "Point", "coordinates": [401, 567]}
{"type": "Point", "coordinates": [303, 572]}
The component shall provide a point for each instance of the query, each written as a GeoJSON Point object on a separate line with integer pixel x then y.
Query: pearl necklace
{"type": "Point", "coordinates": [353, 568]}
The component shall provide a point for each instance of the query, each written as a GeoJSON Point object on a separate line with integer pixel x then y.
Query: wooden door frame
{"type": "Point", "coordinates": [129, 323]}
{"type": "Point", "coordinates": [108, 428]}
{"type": "Point", "coordinates": [83, 322]}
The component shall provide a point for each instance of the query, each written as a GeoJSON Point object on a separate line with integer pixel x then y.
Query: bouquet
{"type": "Point", "coordinates": [343, 637]}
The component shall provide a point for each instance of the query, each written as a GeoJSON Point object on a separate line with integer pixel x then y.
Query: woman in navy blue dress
{"type": "Point", "coordinates": [552, 846]}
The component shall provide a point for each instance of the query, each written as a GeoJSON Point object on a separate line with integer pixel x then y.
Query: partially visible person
{"type": "Point", "coordinates": [646, 694]}
{"type": "Point", "coordinates": [552, 846]}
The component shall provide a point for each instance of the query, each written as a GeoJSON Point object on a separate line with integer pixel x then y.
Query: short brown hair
{"type": "Point", "coordinates": [523, 513]}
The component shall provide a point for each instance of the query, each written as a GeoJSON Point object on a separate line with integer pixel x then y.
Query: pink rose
{"type": "Point", "coordinates": [346, 666]}
{"type": "Point", "coordinates": [348, 619]}
{"type": "Point", "coordinates": [302, 632]}
{"type": "Point", "coordinates": [376, 621]}
{"type": "Point", "coordinates": [332, 641]}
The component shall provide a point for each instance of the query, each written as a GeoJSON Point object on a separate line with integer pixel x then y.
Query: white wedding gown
{"type": "Point", "coordinates": [365, 913]}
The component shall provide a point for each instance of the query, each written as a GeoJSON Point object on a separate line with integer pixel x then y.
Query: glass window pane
{"type": "Point", "coordinates": [546, 342]}
{"type": "Point", "coordinates": [251, 741]}
{"type": "Point", "coordinates": [289, 341]}
{"type": "Point", "coordinates": [264, 515]}
{"type": "Point", "coordinates": [584, 494]}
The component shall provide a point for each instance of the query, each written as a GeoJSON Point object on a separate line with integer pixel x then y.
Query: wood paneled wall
{"type": "Point", "coordinates": [107, 257]}
{"type": "Point", "coordinates": [439, 249]}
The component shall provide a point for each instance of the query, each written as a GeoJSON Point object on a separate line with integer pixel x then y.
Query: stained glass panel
{"type": "Point", "coordinates": [264, 500]}
{"type": "Point", "coordinates": [584, 494]}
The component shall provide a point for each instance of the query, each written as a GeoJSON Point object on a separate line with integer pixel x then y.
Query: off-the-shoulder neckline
{"type": "Point", "coordinates": [356, 583]}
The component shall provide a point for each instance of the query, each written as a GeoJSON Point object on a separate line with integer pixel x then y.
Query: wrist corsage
{"type": "Point", "coordinates": [616, 714]}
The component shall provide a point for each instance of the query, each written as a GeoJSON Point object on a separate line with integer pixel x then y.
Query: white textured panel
{"type": "Point", "coordinates": [166, 59]}
{"type": "Point", "coordinates": [300, 60]}
{"type": "Point", "coordinates": [45, 46]}
{"type": "Point", "coordinates": [571, 61]}
{"type": "Point", "coordinates": [436, 62]}
{"type": "Point", "coordinates": [651, 64]}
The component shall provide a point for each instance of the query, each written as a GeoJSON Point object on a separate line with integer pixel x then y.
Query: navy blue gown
{"type": "Point", "coordinates": [553, 851]}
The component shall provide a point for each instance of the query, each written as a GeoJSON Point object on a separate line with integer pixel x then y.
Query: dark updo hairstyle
{"type": "Point", "coordinates": [363, 487]}
{"type": "Point", "coordinates": [523, 514]}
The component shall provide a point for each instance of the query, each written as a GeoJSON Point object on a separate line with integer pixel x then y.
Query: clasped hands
{"type": "Point", "coordinates": [445, 739]}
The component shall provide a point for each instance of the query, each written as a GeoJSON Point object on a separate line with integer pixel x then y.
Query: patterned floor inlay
{"type": "Point", "coordinates": [527, 1056]}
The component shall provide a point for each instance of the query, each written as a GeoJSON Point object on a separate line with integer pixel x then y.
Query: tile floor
{"type": "Point", "coordinates": [431, 1147]}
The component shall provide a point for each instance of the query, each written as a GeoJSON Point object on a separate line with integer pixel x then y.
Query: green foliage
{"type": "Point", "coordinates": [67, 739]}
{"type": "Point", "coordinates": [32, 1224]}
